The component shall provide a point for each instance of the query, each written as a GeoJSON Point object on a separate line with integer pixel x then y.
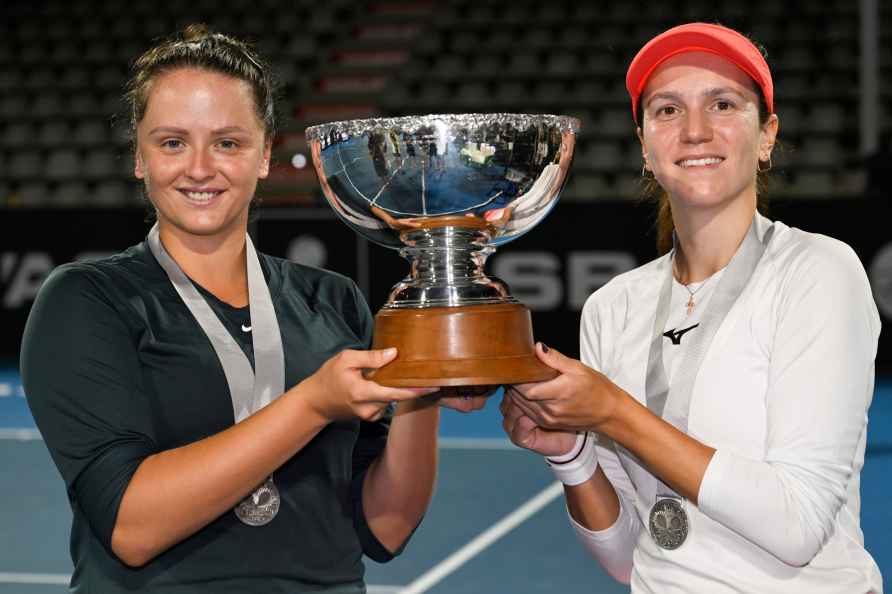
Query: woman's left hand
{"type": "Point", "coordinates": [579, 399]}
{"type": "Point", "coordinates": [464, 398]}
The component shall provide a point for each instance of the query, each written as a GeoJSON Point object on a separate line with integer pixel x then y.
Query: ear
{"type": "Point", "coordinates": [768, 136]}
{"type": "Point", "coordinates": [137, 165]}
{"type": "Point", "coordinates": [643, 149]}
{"type": "Point", "coordinates": [264, 163]}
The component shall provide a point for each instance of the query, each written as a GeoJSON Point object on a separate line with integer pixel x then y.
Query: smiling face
{"type": "Point", "coordinates": [701, 135]}
{"type": "Point", "coordinates": [200, 151]}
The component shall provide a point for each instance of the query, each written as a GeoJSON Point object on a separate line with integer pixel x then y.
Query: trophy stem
{"type": "Point", "coordinates": [446, 270]}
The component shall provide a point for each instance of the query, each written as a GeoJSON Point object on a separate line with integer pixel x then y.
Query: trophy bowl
{"type": "Point", "coordinates": [446, 190]}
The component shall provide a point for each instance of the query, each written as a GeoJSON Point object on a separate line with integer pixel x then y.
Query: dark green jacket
{"type": "Point", "coordinates": [116, 369]}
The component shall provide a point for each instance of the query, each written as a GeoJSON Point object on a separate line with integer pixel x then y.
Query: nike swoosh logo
{"type": "Point", "coordinates": [675, 335]}
{"type": "Point", "coordinates": [246, 328]}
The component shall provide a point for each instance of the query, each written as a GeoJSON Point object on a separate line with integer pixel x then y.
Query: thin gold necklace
{"type": "Point", "coordinates": [690, 304]}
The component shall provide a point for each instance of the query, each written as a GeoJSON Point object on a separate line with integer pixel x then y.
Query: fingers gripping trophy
{"type": "Point", "coordinates": [446, 190]}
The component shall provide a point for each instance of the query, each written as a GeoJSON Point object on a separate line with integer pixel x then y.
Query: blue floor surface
{"type": "Point", "coordinates": [482, 481]}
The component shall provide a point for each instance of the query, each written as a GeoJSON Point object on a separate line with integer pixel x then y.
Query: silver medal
{"type": "Point", "coordinates": [249, 391]}
{"type": "Point", "coordinates": [261, 506]}
{"type": "Point", "coordinates": [668, 523]}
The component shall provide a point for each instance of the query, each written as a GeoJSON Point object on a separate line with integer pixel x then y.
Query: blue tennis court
{"type": "Point", "coordinates": [497, 522]}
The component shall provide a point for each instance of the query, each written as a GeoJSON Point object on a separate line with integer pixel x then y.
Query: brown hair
{"type": "Point", "coordinates": [197, 47]}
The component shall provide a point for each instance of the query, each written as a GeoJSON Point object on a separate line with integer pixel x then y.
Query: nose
{"type": "Point", "coordinates": [200, 166]}
{"type": "Point", "coordinates": [696, 127]}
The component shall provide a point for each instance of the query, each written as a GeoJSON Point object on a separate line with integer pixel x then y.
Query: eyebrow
{"type": "Point", "coordinates": [184, 132]}
{"type": "Point", "coordinates": [711, 92]}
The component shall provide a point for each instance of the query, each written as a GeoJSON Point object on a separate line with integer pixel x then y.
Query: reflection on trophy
{"type": "Point", "coordinates": [446, 190]}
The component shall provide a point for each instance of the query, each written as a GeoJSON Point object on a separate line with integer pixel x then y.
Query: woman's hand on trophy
{"type": "Point", "coordinates": [338, 389]}
{"type": "Point", "coordinates": [464, 398]}
{"type": "Point", "coordinates": [579, 399]}
{"type": "Point", "coordinates": [524, 432]}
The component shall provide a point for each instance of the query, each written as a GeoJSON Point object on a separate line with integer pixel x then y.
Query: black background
{"type": "Point", "coordinates": [32, 241]}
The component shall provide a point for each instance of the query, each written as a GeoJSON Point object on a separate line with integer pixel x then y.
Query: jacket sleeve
{"type": "Point", "coordinates": [370, 442]}
{"type": "Point", "coordinates": [613, 547]}
{"type": "Point", "coordinates": [369, 445]}
{"type": "Point", "coordinates": [81, 376]}
{"type": "Point", "coordinates": [820, 385]}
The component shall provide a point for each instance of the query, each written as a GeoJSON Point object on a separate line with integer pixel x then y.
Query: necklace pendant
{"type": "Point", "coordinates": [690, 304]}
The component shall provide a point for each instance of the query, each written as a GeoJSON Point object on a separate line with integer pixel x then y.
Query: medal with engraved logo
{"type": "Point", "coordinates": [668, 522]}
{"type": "Point", "coordinates": [250, 387]}
{"type": "Point", "coordinates": [261, 506]}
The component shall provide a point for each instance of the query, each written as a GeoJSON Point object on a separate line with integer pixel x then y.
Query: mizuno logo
{"type": "Point", "coordinates": [675, 335]}
{"type": "Point", "coordinates": [246, 328]}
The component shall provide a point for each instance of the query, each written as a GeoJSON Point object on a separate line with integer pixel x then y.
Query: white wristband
{"type": "Point", "coordinates": [579, 464]}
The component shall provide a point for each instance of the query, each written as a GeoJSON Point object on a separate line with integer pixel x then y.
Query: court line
{"type": "Point", "coordinates": [20, 434]}
{"type": "Point", "coordinates": [34, 578]}
{"type": "Point", "coordinates": [434, 575]}
{"type": "Point", "coordinates": [64, 579]}
{"type": "Point", "coordinates": [446, 443]}
{"type": "Point", "coordinates": [475, 443]}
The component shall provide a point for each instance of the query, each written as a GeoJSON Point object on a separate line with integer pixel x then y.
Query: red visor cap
{"type": "Point", "coordinates": [699, 37]}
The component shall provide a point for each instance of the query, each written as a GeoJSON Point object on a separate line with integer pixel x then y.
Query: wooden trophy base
{"type": "Point", "coordinates": [473, 345]}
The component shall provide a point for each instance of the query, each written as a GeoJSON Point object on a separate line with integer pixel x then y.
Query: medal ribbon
{"type": "Point", "coordinates": [672, 403]}
{"type": "Point", "coordinates": [249, 391]}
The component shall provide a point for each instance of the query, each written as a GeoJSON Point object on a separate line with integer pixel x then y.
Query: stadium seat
{"type": "Point", "coordinates": [33, 195]}
{"type": "Point", "coordinates": [91, 132]}
{"type": "Point", "coordinates": [101, 164]}
{"type": "Point", "coordinates": [25, 164]}
{"type": "Point", "coordinates": [63, 164]}
{"type": "Point", "coordinates": [54, 132]}
{"type": "Point", "coordinates": [18, 133]}
{"type": "Point", "coordinates": [71, 193]}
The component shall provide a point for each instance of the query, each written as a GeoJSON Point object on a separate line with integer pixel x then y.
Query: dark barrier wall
{"type": "Point", "coordinates": [552, 269]}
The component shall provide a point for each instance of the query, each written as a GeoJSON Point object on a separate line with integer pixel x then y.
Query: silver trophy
{"type": "Point", "coordinates": [446, 190]}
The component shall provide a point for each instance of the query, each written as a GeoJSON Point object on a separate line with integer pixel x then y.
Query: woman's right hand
{"type": "Point", "coordinates": [339, 391]}
{"type": "Point", "coordinates": [524, 432]}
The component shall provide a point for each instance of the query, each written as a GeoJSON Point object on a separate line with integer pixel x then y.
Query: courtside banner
{"type": "Point", "coordinates": [33, 242]}
{"type": "Point", "coordinates": [552, 269]}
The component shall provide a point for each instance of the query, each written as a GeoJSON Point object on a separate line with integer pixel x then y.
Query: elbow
{"type": "Point", "coordinates": [622, 574]}
{"type": "Point", "coordinates": [809, 523]}
{"type": "Point", "coordinates": [132, 557]}
{"type": "Point", "coordinates": [393, 534]}
{"type": "Point", "coordinates": [131, 550]}
{"type": "Point", "coordinates": [614, 553]}
{"type": "Point", "coordinates": [797, 554]}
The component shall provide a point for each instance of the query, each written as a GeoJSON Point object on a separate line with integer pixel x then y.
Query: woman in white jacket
{"type": "Point", "coordinates": [712, 437]}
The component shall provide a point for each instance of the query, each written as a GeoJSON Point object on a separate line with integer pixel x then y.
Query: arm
{"type": "Point", "coordinates": [600, 509]}
{"type": "Point", "coordinates": [613, 544]}
{"type": "Point", "coordinates": [601, 515]}
{"type": "Point", "coordinates": [820, 386]}
{"type": "Point", "coordinates": [819, 389]}
{"type": "Point", "coordinates": [393, 483]}
{"type": "Point", "coordinates": [175, 493]}
{"type": "Point", "coordinates": [97, 423]}
{"type": "Point", "coordinates": [394, 465]}
{"type": "Point", "coordinates": [400, 482]}
{"type": "Point", "coordinates": [214, 474]}
{"type": "Point", "coordinates": [396, 480]}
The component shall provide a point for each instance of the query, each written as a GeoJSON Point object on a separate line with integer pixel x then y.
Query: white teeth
{"type": "Point", "coordinates": [700, 162]}
{"type": "Point", "coordinates": [201, 196]}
